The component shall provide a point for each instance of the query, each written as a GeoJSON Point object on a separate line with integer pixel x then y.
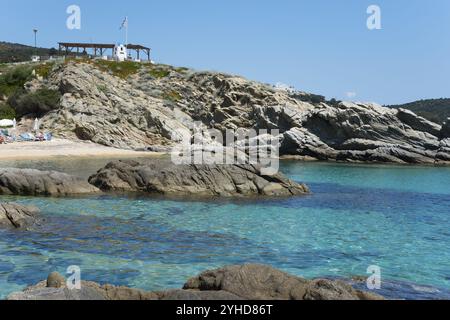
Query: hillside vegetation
{"type": "Point", "coordinates": [14, 52]}
{"type": "Point", "coordinates": [436, 110]}
{"type": "Point", "coordinates": [16, 101]}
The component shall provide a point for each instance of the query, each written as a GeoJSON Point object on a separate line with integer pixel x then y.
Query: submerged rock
{"type": "Point", "coordinates": [163, 177]}
{"type": "Point", "coordinates": [247, 282]}
{"type": "Point", "coordinates": [30, 182]}
{"type": "Point", "coordinates": [17, 216]}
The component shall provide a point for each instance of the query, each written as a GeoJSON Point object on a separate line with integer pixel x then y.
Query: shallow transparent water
{"type": "Point", "coordinates": [392, 216]}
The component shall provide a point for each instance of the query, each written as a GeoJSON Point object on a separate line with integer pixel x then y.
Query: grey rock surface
{"type": "Point", "coordinates": [143, 111]}
{"type": "Point", "coordinates": [107, 110]}
{"type": "Point", "coordinates": [445, 132]}
{"type": "Point", "coordinates": [57, 294]}
{"type": "Point", "coordinates": [259, 282]}
{"type": "Point", "coordinates": [17, 216]}
{"type": "Point", "coordinates": [247, 282]}
{"type": "Point", "coordinates": [30, 182]}
{"type": "Point", "coordinates": [163, 177]}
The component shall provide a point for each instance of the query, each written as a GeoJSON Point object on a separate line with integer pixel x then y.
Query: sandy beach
{"type": "Point", "coordinates": [63, 148]}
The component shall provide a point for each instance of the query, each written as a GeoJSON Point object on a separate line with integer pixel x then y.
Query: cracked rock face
{"type": "Point", "coordinates": [260, 282]}
{"type": "Point", "coordinates": [445, 132]}
{"type": "Point", "coordinates": [107, 110]}
{"type": "Point", "coordinates": [30, 182]}
{"type": "Point", "coordinates": [17, 216]}
{"type": "Point", "coordinates": [144, 111]}
{"type": "Point", "coordinates": [163, 177]}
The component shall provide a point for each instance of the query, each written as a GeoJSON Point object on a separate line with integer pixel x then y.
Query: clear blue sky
{"type": "Point", "coordinates": [320, 46]}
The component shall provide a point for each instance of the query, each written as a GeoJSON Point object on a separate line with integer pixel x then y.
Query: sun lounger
{"type": "Point", "coordinates": [27, 137]}
{"type": "Point", "coordinates": [48, 137]}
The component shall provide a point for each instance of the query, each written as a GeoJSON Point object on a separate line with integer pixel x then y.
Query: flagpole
{"type": "Point", "coordinates": [126, 32]}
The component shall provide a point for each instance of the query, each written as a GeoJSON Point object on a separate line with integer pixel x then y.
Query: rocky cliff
{"type": "Point", "coordinates": [144, 108]}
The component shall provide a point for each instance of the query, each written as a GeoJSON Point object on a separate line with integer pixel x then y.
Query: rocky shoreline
{"type": "Point", "coordinates": [239, 282]}
{"type": "Point", "coordinates": [144, 110]}
{"type": "Point", "coordinates": [158, 176]}
{"type": "Point", "coordinates": [153, 176]}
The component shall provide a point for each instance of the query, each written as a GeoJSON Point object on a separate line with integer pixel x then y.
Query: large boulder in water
{"type": "Point", "coordinates": [17, 216]}
{"type": "Point", "coordinates": [163, 177]}
{"type": "Point", "coordinates": [30, 182]}
{"type": "Point", "coordinates": [260, 282]}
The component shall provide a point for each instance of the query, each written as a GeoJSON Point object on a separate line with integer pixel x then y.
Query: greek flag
{"type": "Point", "coordinates": [124, 23]}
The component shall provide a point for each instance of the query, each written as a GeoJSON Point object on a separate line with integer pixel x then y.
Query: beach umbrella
{"type": "Point", "coordinates": [36, 124]}
{"type": "Point", "coordinates": [6, 123]}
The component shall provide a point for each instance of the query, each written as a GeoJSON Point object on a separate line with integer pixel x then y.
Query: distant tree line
{"type": "Point", "coordinates": [436, 110]}
{"type": "Point", "coordinates": [13, 52]}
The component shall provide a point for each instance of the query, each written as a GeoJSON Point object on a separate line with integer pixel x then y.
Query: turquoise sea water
{"type": "Point", "coordinates": [396, 217]}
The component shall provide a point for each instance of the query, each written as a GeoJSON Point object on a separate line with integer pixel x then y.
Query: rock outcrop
{"type": "Point", "coordinates": [247, 282]}
{"type": "Point", "coordinates": [163, 177]}
{"type": "Point", "coordinates": [144, 110]}
{"type": "Point", "coordinates": [105, 109]}
{"type": "Point", "coordinates": [444, 148]}
{"type": "Point", "coordinates": [445, 132]}
{"type": "Point", "coordinates": [30, 182]}
{"type": "Point", "coordinates": [259, 282]}
{"type": "Point", "coordinates": [94, 291]}
{"type": "Point", "coordinates": [365, 133]}
{"type": "Point", "coordinates": [17, 216]}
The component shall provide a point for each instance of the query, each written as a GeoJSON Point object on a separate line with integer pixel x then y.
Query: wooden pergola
{"type": "Point", "coordinates": [98, 48]}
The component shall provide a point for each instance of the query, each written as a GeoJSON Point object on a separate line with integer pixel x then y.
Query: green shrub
{"type": "Point", "coordinates": [159, 72]}
{"type": "Point", "coordinates": [172, 95]}
{"type": "Point", "coordinates": [102, 88]}
{"type": "Point", "coordinates": [36, 103]}
{"type": "Point", "coordinates": [182, 70]}
{"type": "Point", "coordinates": [14, 79]}
{"type": "Point", "coordinates": [77, 59]}
{"type": "Point", "coordinates": [44, 69]}
{"type": "Point", "coordinates": [6, 112]}
{"type": "Point", "coordinates": [119, 69]}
